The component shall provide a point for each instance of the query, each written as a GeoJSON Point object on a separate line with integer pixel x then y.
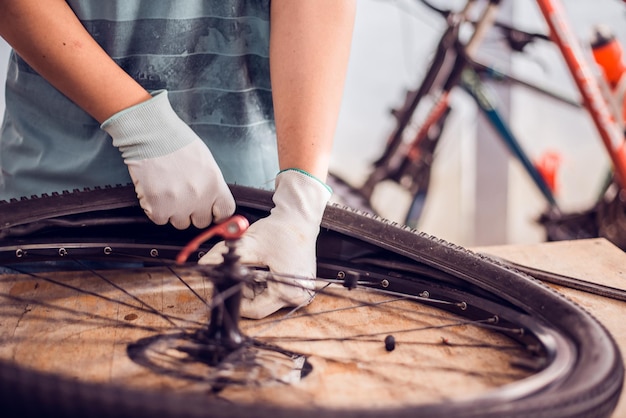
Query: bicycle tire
{"type": "Point", "coordinates": [591, 388]}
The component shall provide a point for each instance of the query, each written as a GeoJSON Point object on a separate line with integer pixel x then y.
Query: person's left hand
{"type": "Point", "coordinates": [285, 242]}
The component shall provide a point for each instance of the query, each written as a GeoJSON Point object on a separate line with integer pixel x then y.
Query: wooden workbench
{"type": "Point", "coordinates": [61, 326]}
{"type": "Point", "coordinates": [594, 260]}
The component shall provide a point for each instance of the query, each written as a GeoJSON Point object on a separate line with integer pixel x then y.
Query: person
{"type": "Point", "coordinates": [182, 98]}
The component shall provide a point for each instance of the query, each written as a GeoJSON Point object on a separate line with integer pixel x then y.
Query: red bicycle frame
{"type": "Point", "coordinates": [595, 103]}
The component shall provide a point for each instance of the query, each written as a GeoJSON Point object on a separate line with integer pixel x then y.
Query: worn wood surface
{"type": "Point", "coordinates": [593, 260]}
{"type": "Point", "coordinates": [83, 327]}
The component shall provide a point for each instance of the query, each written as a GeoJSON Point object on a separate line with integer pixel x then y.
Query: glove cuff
{"type": "Point", "coordinates": [306, 173]}
{"type": "Point", "coordinates": [301, 194]}
{"type": "Point", "coordinates": [149, 129]}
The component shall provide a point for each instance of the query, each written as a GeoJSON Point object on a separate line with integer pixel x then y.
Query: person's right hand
{"type": "Point", "coordinates": [285, 242]}
{"type": "Point", "coordinates": [175, 175]}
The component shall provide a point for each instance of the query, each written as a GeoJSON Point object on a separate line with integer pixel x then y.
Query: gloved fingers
{"type": "Point", "coordinates": [223, 207]}
{"type": "Point", "coordinates": [202, 216]}
{"type": "Point", "coordinates": [276, 296]}
{"type": "Point", "coordinates": [201, 220]}
{"type": "Point", "coordinates": [155, 217]}
{"type": "Point", "coordinates": [247, 255]}
{"type": "Point", "coordinates": [150, 207]}
{"type": "Point", "coordinates": [215, 255]}
{"type": "Point", "coordinates": [207, 211]}
{"type": "Point", "coordinates": [286, 285]}
{"type": "Point", "coordinates": [218, 207]}
{"type": "Point", "coordinates": [266, 293]}
{"type": "Point", "coordinates": [248, 291]}
{"type": "Point", "coordinates": [260, 307]}
{"type": "Point", "coordinates": [158, 209]}
{"type": "Point", "coordinates": [180, 221]}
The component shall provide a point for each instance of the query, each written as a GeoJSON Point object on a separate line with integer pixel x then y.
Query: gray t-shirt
{"type": "Point", "coordinates": [211, 56]}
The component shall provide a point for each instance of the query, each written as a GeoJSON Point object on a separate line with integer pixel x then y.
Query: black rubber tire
{"type": "Point", "coordinates": [590, 388]}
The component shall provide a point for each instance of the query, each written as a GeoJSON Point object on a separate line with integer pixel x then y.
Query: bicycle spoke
{"type": "Point", "coordinates": [172, 350]}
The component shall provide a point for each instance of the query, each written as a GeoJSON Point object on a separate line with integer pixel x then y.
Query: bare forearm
{"type": "Point", "coordinates": [309, 48]}
{"type": "Point", "coordinates": [49, 36]}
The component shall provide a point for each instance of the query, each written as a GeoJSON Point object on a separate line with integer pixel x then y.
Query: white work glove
{"type": "Point", "coordinates": [285, 242]}
{"type": "Point", "coordinates": [175, 175]}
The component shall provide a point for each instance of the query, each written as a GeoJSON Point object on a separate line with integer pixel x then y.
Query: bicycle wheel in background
{"type": "Point", "coordinates": [125, 342]}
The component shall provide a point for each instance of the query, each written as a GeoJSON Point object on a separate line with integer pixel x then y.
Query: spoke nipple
{"type": "Point", "coordinates": [462, 305]}
{"type": "Point", "coordinates": [62, 252]}
{"type": "Point", "coordinates": [425, 294]}
{"type": "Point", "coordinates": [19, 253]}
{"type": "Point", "coordinates": [390, 343]}
{"type": "Point", "coordinates": [154, 253]}
{"type": "Point", "coordinates": [351, 279]}
{"type": "Point", "coordinates": [108, 250]}
{"type": "Point", "coordinates": [384, 283]}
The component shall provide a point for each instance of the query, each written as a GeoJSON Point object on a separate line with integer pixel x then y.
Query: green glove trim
{"type": "Point", "coordinates": [306, 173]}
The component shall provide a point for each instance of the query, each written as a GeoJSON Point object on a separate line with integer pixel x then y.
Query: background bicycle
{"type": "Point", "coordinates": [471, 202]}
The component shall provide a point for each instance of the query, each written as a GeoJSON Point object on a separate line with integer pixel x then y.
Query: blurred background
{"type": "Point", "coordinates": [478, 195]}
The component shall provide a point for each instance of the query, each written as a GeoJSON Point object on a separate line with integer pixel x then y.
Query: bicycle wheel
{"type": "Point", "coordinates": [111, 343]}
